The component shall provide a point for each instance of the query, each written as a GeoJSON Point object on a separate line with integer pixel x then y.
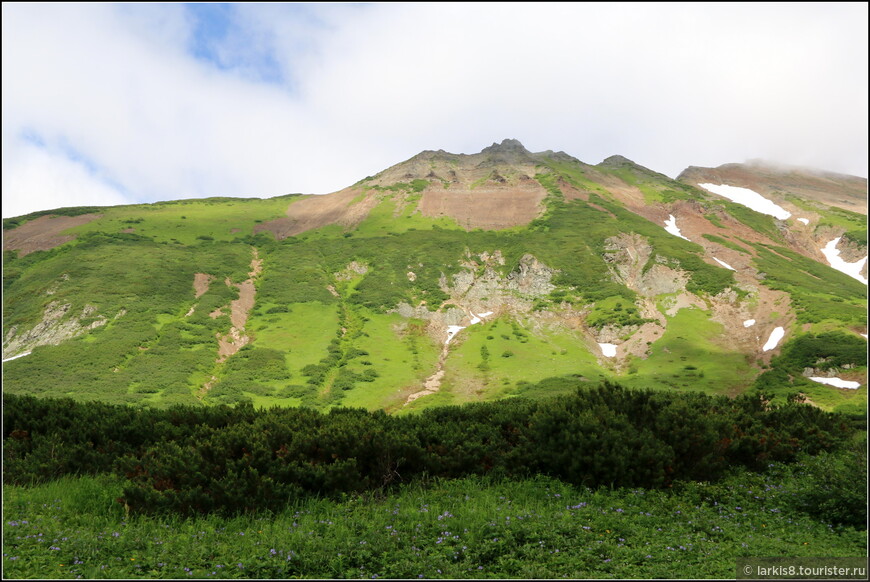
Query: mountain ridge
{"type": "Point", "coordinates": [460, 277]}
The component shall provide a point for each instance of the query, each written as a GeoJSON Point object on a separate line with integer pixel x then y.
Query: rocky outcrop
{"type": "Point", "coordinates": [628, 258]}
{"type": "Point", "coordinates": [481, 288]}
{"type": "Point", "coordinates": [57, 326]}
{"type": "Point", "coordinates": [352, 270]}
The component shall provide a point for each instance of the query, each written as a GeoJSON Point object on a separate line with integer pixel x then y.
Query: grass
{"type": "Point", "coordinates": [387, 218]}
{"type": "Point", "coordinates": [726, 243]}
{"type": "Point", "coordinates": [185, 221]}
{"type": "Point", "coordinates": [155, 354]}
{"type": "Point", "coordinates": [402, 354]}
{"type": "Point", "coordinates": [819, 291]}
{"type": "Point", "coordinates": [303, 333]}
{"type": "Point", "coordinates": [687, 357]}
{"type": "Point", "coordinates": [468, 528]}
{"type": "Point", "coordinates": [511, 346]}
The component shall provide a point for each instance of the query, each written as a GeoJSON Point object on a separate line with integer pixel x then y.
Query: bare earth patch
{"type": "Point", "coordinates": [201, 281]}
{"type": "Point", "coordinates": [313, 212]}
{"type": "Point", "coordinates": [240, 308]}
{"type": "Point", "coordinates": [43, 233]}
{"type": "Point", "coordinates": [487, 208]}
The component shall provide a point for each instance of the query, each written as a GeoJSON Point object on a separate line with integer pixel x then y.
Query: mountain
{"type": "Point", "coordinates": [451, 278]}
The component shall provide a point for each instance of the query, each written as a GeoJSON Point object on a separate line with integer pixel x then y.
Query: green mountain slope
{"type": "Point", "coordinates": [447, 278]}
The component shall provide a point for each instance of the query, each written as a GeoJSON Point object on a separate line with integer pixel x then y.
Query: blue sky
{"type": "Point", "coordinates": [120, 103]}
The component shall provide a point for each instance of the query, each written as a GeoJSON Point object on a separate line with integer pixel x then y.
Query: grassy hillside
{"type": "Point", "coordinates": [123, 323]}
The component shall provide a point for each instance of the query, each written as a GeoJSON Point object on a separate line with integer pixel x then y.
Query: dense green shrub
{"type": "Point", "coordinates": [833, 492]}
{"type": "Point", "coordinates": [189, 459]}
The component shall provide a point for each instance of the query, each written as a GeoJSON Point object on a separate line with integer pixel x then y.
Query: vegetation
{"type": "Point", "coordinates": [219, 459]}
{"type": "Point", "coordinates": [483, 490]}
{"type": "Point", "coordinates": [818, 291]}
{"type": "Point", "coordinates": [131, 450]}
{"type": "Point", "coordinates": [476, 527]}
{"type": "Point", "coordinates": [833, 351]}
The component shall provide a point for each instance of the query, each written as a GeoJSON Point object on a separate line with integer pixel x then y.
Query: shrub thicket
{"type": "Point", "coordinates": [191, 460]}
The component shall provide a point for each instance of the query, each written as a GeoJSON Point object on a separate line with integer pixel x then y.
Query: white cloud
{"type": "Point", "coordinates": [367, 86]}
{"type": "Point", "coordinates": [39, 180]}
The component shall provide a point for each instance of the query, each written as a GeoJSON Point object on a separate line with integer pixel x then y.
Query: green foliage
{"type": "Point", "coordinates": [832, 490]}
{"type": "Point", "coordinates": [726, 243]}
{"type": "Point", "coordinates": [757, 221]}
{"type": "Point", "coordinates": [10, 223]}
{"type": "Point", "coordinates": [612, 312]}
{"type": "Point", "coordinates": [818, 291]}
{"type": "Point", "coordinates": [419, 185]}
{"type": "Point", "coordinates": [855, 224]}
{"type": "Point", "coordinates": [195, 460]}
{"type": "Point", "coordinates": [823, 351]}
{"type": "Point", "coordinates": [537, 528]}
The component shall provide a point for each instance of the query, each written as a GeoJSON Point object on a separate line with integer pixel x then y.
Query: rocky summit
{"type": "Point", "coordinates": [451, 278]}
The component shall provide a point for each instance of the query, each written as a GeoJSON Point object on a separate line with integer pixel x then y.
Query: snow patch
{"type": "Point", "coordinates": [774, 338]}
{"type": "Point", "coordinates": [28, 353]}
{"type": "Point", "coordinates": [832, 253]}
{"type": "Point", "coordinates": [609, 350]}
{"type": "Point", "coordinates": [748, 198]}
{"type": "Point", "coordinates": [452, 330]}
{"type": "Point", "coordinates": [724, 264]}
{"type": "Point", "coordinates": [671, 227]}
{"type": "Point", "coordinates": [749, 323]}
{"type": "Point", "coordinates": [479, 317]}
{"type": "Point", "coordinates": [837, 382]}
{"type": "Point", "coordinates": [804, 220]}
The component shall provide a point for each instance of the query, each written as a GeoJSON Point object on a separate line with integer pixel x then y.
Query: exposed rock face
{"type": "Point", "coordinates": [480, 288]}
{"type": "Point", "coordinates": [57, 326]}
{"type": "Point", "coordinates": [627, 258]}
{"type": "Point", "coordinates": [352, 270]}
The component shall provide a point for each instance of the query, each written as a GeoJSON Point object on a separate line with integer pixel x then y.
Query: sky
{"type": "Point", "coordinates": [106, 104]}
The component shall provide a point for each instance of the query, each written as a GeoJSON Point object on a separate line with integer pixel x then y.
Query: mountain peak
{"type": "Point", "coordinates": [615, 161]}
{"type": "Point", "coordinates": [506, 146]}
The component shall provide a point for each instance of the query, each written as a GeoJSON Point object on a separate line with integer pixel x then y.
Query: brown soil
{"type": "Point", "coordinates": [313, 212]}
{"type": "Point", "coordinates": [487, 208]}
{"type": "Point", "coordinates": [43, 233]}
{"type": "Point", "coordinates": [242, 306]}
{"type": "Point", "coordinates": [233, 341]}
{"type": "Point", "coordinates": [201, 282]}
